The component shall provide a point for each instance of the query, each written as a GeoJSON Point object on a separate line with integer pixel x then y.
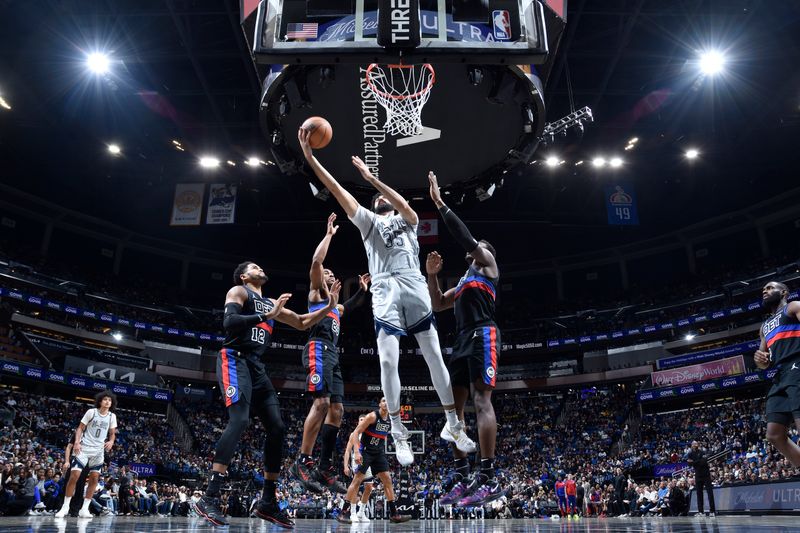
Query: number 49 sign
{"type": "Point", "coordinates": [621, 205]}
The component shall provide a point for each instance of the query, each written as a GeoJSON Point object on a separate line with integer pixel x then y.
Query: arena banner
{"type": "Point", "coordinates": [731, 366]}
{"type": "Point", "coordinates": [621, 205]}
{"type": "Point", "coordinates": [668, 469]}
{"type": "Point", "coordinates": [187, 206]}
{"type": "Point", "coordinates": [212, 337]}
{"type": "Point", "coordinates": [696, 357]}
{"type": "Point", "coordinates": [82, 382]}
{"type": "Point", "coordinates": [108, 371]}
{"type": "Point", "coordinates": [221, 204]}
{"type": "Point", "coordinates": [761, 376]}
{"type": "Point", "coordinates": [777, 496]}
{"type": "Point", "coordinates": [143, 469]}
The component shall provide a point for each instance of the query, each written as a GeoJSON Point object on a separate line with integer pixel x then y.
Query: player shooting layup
{"type": "Point", "coordinates": [401, 304]}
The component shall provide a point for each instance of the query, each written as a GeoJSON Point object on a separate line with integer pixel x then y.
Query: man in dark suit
{"type": "Point", "coordinates": [702, 477]}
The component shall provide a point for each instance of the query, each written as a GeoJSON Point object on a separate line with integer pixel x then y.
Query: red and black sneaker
{"type": "Point", "coordinates": [271, 512]}
{"type": "Point", "coordinates": [398, 518]}
{"type": "Point", "coordinates": [328, 479]}
{"type": "Point", "coordinates": [305, 474]}
{"type": "Point", "coordinates": [208, 508]}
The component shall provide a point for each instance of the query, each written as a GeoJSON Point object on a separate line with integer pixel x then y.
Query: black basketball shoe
{"type": "Point", "coordinates": [269, 511]}
{"type": "Point", "coordinates": [208, 508]}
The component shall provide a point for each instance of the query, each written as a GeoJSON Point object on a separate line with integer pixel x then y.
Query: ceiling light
{"type": "Point", "coordinates": [692, 153]}
{"type": "Point", "coordinates": [629, 147]}
{"type": "Point", "coordinates": [552, 161]}
{"type": "Point", "coordinates": [252, 161]}
{"type": "Point", "coordinates": [180, 148]}
{"type": "Point", "coordinates": [598, 162]}
{"type": "Point", "coordinates": [176, 142]}
{"type": "Point", "coordinates": [689, 337]}
{"type": "Point", "coordinates": [117, 336]}
{"type": "Point", "coordinates": [615, 162]}
{"type": "Point", "coordinates": [209, 162]}
{"type": "Point", "coordinates": [634, 140]}
{"type": "Point", "coordinates": [4, 104]}
{"type": "Point", "coordinates": [231, 163]}
{"type": "Point", "coordinates": [579, 163]}
{"type": "Point", "coordinates": [712, 62]}
{"type": "Point", "coordinates": [114, 149]}
{"type": "Point", "coordinates": [98, 63]}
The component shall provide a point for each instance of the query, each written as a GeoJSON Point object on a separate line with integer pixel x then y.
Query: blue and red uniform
{"type": "Point", "coordinates": [781, 333]}
{"type": "Point", "coordinates": [572, 495]}
{"type": "Point", "coordinates": [321, 356]}
{"type": "Point", "coordinates": [561, 496]}
{"type": "Point", "coordinates": [478, 342]}
{"type": "Point", "coordinates": [240, 365]}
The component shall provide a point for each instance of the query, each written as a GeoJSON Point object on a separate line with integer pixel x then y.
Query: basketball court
{"type": "Point", "coordinates": [726, 524]}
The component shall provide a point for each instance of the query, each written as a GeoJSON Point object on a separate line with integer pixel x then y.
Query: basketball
{"type": "Point", "coordinates": [321, 131]}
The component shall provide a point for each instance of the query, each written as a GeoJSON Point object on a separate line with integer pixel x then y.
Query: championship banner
{"type": "Point", "coordinates": [187, 208]}
{"type": "Point", "coordinates": [699, 372]}
{"type": "Point", "coordinates": [428, 228]}
{"type": "Point", "coordinates": [221, 204]}
{"type": "Point", "coordinates": [621, 205]}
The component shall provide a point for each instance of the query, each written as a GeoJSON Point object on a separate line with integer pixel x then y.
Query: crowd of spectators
{"type": "Point", "coordinates": [540, 438]}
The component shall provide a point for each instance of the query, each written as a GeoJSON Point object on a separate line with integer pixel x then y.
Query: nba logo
{"type": "Point", "coordinates": [501, 21]}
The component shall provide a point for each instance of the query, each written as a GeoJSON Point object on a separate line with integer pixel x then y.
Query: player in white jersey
{"type": "Point", "coordinates": [401, 304]}
{"type": "Point", "coordinates": [359, 514]}
{"type": "Point", "coordinates": [97, 425]}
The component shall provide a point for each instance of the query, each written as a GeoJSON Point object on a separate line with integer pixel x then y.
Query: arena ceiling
{"type": "Point", "coordinates": [180, 71]}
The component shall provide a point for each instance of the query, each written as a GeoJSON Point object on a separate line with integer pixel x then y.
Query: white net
{"type": "Point", "coordinates": [403, 91]}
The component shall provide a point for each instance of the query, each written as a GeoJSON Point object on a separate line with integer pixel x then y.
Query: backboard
{"type": "Point", "coordinates": [485, 113]}
{"type": "Point", "coordinates": [349, 31]}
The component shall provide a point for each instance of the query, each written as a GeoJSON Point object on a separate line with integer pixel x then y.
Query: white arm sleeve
{"type": "Point", "coordinates": [113, 424]}
{"type": "Point", "coordinates": [87, 417]}
{"type": "Point", "coordinates": [364, 220]}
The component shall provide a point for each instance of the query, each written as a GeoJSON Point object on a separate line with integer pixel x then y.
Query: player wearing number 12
{"type": "Point", "coordinates": [245, 385]}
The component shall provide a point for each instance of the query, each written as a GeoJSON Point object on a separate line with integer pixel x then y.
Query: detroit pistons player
{"type": "Point", "coordinates": [246, 386]}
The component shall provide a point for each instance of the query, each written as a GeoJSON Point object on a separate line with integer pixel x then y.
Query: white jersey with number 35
{"type": "Point", "coordinates": [97, 426]}
{"type": "Point", "coordinates": [390, 242]}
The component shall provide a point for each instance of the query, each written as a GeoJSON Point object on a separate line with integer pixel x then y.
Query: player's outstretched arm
{"type": "Point", "coordinates": [395, 198]}
{"type": "Point", "coordinates": [361, 428]}
{"type": "Point", "coordinates": [303, 322]}
{"type": "Point", "coordinates": [458, 229]}
{"type": "Point", "coordinates": [439, 301]}
{"type": "Point", "coordinates": [345, 199]}
{"type": "Point", "coordinates": [316, 274]}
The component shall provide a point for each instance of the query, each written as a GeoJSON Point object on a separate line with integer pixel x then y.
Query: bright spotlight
{"type": "Point", "coordinates": [253, 161]}
{"type": "Point", "coordinates": [209, 162]}
{"type": "Point", "coordinates": [634, 140]}
{"type": "Point", "coordinates": [114, 149]}
{"type": "Point", "coordinates": [231, 163]}
{"type": "Point", "coordinates": [117, 336]}
{"type": "Point", "coordinates": [552, 161]}
{"type": "Point", "coordinates": [4, 104]}
{"type": "Point", "coordinates": [692, 153]}
{"type": "Point", "coordinates": [689, 337]}
{"type": "Point", "coordinates": [98, 63]}
{"type": "Point", "coordinates": [598, 162]}
{"type": "Point", "coordinates": [615, 162]}
{"type": "Point", "coordinates": [712, 62]}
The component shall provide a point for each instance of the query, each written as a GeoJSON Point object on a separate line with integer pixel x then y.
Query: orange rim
{"type": "Point", "coordinates": [401, 96]}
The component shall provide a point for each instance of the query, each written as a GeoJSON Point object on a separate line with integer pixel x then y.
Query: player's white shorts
{"type": "Point", "coordinates": [93, 460]}
{"type": "Point", "coordinates": [401, 303]}
{"type": "Point", "coordinates": [367, 474]}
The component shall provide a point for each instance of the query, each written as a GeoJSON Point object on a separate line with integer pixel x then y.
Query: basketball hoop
{"type": "Point", "coordinates": [403, 91]}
